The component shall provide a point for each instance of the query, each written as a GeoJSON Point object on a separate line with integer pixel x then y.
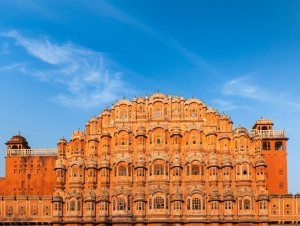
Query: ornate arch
{"type": "Point", "coordinates": [194, 157]}
{"type": "Point", "coordinates": [124, 157]}
{"type": "Point", "coordinates": [158, 156]}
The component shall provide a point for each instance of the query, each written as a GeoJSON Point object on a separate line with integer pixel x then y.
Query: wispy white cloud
{"type": "Point", "coordinates": [242, 86]}
{"type": "Point", "coordinates": [86, 76]}
{"type": "Point", "coordinates": [225, 105]}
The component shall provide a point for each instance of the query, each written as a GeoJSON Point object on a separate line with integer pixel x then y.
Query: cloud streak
{"type": "Point", "coordinates": [243, 87]}
{"type": "Point", "coordinates": [86, 76]}
{"type": "Point", "coordinates": [226, 105]}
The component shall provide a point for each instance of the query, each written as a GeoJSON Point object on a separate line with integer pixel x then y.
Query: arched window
{"type": "Point", "coordinates": [150, 203]}
{"type": "Point", "coordinates": [122, 171]}
{"type": "Point", "coordinates": [78, 205]}
{"type": "Point", "coordinates": [195, 169]}
{"type": "Point", "coordinates": [247, 204]}
{"type": "Point", "coordinates": [262, 205]}
{"type": "Point", "coordinates": [196, 205]}
{"type": "Point", "coordinates": [123, 114]}
{"type": "Point", "coordinates": [202, 169]}
{"type": "Point", "coordinates": [158, 140]}
{"type": "Point", "coordinates": [121, 204]}
{"type": "Point", "coordinates": [176, 171]}
{"type": "Point", "coordinates": [193, 140]}
{"type": "Point", "coordinates": [193, 113]}
{"type": "Point", "coordinates": [129, 170]}
{"type": "Point", "coordinates": [72, 205]}
{"type": "Point", "coordinates": [122, 141]}
{"type": "Point", "coordinates": [159, 203]}
{"type": "Point", "coordinates": [228, 205]}
{"type": "Point", "coordinates": [245, 172]}
{"type": "Point", "coordinates": [158, 169]}
{"type": "Point", "coordinates": [187, 170]}
{"type": "Point", "coordinates": [129, 202]}
{"type": "Point", "coordinates": [266, 145]}
{"type": "Point", "coordinates": [150, 170]}
{"type": "Point", "coordinates": [278, 145]}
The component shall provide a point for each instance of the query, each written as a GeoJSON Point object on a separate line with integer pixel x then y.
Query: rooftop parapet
{"type": "Point", "coordinates": [267, 133]}
{"type": "Point", "coordinates": [31, 152]}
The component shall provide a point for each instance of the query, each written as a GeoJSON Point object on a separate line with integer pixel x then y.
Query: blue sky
{"type": "Point", "coordinates": [61, 62]}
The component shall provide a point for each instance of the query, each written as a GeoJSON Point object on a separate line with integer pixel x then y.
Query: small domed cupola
{"type": "Point", "coordinates": [17, 142]}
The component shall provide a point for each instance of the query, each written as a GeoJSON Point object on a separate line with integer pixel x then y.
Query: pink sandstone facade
{"type": "Point", "coordinates": [157, 160]}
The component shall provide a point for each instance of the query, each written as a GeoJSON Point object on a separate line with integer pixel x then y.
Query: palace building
{"type": "Point", "coordinates": [155, 160]}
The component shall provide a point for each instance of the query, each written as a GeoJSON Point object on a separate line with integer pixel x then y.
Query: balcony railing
{"type": "Point", "coordinates": [31, 152]}
{"type": "Point", "coordinates": [268, 133]}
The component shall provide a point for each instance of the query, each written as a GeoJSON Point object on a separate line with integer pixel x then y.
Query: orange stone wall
{"type": "Point", "coordinates": [29, 175]}
{"type": "Point", "coordinates": [276, 171]}
{"type": "Point", "coordinates": [24, 209]}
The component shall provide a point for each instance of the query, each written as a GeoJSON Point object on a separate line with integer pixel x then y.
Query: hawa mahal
{"type": "Point", "coordinates": [155, 160]}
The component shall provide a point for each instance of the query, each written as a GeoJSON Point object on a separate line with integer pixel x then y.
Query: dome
{"type": "Point", "coordinates": [140, 100]}
{"type": "Point", "coordinates": [103, 163]}
{"type": "Point", "coordinates": [223, 116]}
{"type": "Point", "coordinates": [139, 197]}
{"type": "Point", "coordinates": [226, 161]}
{"type": "Point", "coordinates": [141, 131]}
{"type": "Point", "coordinates": [192, 100]}
{"type": "Point", "coordinates": [215, 196]}
{"type": "Point", "coordinates": [176, 161]}
{"type": "Point", "coordinates": [104, 195]}
{"type": "Point", "coordinates": [62, 140]}
{"type": "Point", "coordinates": [57, 198]}
{"type": "Point", "coordinates": [211, 132]}
{"type": "Point", "coordinates": [210, 109]}
{"type": "Point", "coordinates": [140, 163]}
{"type": "Point", "coordinates": [176, 131]}
{"type": "Point", "coordinates": [91, 163]}
{"type": "Point", "coordinates": [93, 119]}
{"type": "Point", "coordinates": [264, 121]}
{"type": "Point", "coordinates": [105, 134]}
{"type": "Point", "coordinates": [177, 197]}
{"type": "Point", "coordinates": [241, 131]}
{"type": "Point", "coordinates": [213, 161]}
{"type": "Point", "coordinates": [260, 162]}
{"type": "Point", "coordinates": [59, 164]}
{"type": "Point", "coordinates": [124, 101]}
{"type": "Point", "coordinates": [175, 99]}
{"type": "Point", "coordinates": [224, 136]}
{"type": "Point", "coordinates": [262, 197]}
{"type": "Point", "coordinates": [228, 196]}
{"type": "Point", "coordinates": [17, 142]}
{"type": "Point", "coordinates": [78, 134]}
{"type": "Point", "coordinates": [90, 197]}
{"type": "Point", "coordinates": [158, 97]}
